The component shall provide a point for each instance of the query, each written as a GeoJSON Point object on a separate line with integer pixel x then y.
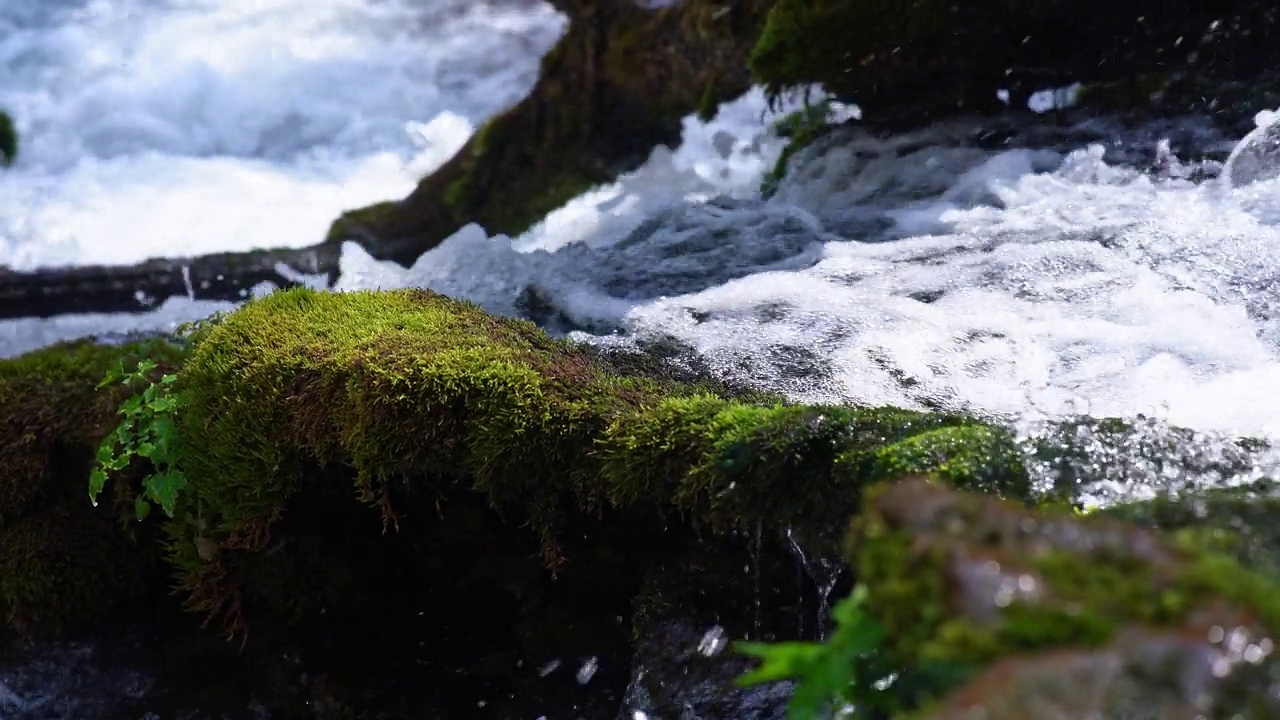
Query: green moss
{"type": "Point", "coordinates": [61, 568]}
{"type": "Point", "coordinates": [8, 140]}
{"type": "Point", "coordinates": [63, 562]}
{"type": "Point", "coordinates": [804, 127]}
{"type": "Point", "coordinates": [619, 83]}
{"type": "Point", "coordinates": [733, 464]}
{"type": "Point", "coordinates": [396, 385]}
{"type": "Point", "coordinates": [353, 223]}
{"type": "Point", "coordinates": [917, 546]}
{"type": "Point", "coordinates": [1237, 521]}
{"type": "Point", "coordinates": [51, 410]}
{"type": "Point", "coordinates": [971, 457]}
{"type": "Point", "coordinates": [412, 389]}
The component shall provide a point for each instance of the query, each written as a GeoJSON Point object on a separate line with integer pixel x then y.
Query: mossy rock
{"type": "Point", "coordinates": [8, 140]}
{"type": "Point", "coordinates": [1238, 521]}
{"type": "Point", "coordinates": [961, 582]}
{"type": "Point", "coordinates": [913, 62]}
{"type": "Point", "coordinates": [616, 85]}
{"type": "Point", "coordinates": [62, 562]}
{"type": "Point", "coordinates": [427, 397]}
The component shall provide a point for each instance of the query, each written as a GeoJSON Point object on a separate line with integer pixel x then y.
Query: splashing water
{"type": "Point", "coordinates": [183, 127]}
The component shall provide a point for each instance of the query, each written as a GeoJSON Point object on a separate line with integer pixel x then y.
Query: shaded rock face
{"type": "Point", "coordinates": [617, 85]}
{"type": "Point", "coordinates": [905, 63]}
{"type": "Point", "coordinates": [1065, 616]}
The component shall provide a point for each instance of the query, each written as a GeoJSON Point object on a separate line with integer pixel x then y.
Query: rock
{"type": "Point", "coordinates": [906, 64]}
{"type": "Point", "coordinates": [617, 85]}
{"type": "Point", "coordinates": [1055, 615]}
{"type": "Point", "coordinates": [1238, 521]}
{"type": "Point", "coordinates": [395, 486]}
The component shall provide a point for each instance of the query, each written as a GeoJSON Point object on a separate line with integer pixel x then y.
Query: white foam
{"type": "Point", "coordinates": [1020, 284]}
{"type": "Point", "coordinates": [26, 334]}
{"type": "Point", "coordinates": [193, 126]}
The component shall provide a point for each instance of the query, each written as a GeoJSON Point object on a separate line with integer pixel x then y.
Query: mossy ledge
{"type": "Point", "coordinates": [426, 398]}
{"type": "Point", "coordinates": [616, 85]}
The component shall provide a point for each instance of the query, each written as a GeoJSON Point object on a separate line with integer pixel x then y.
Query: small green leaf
{"type": "Point", "coordinates": [97, 481]}
{"type": "Point", "coordinates": [146, 449]}
{"type": "Point", "coordinates": [141, 508]}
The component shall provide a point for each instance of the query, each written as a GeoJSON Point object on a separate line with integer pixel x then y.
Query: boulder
{"type": "Point", "coordinates": [616, 85]}
{"type": "Point", "coordinates": [1050, 614]}
{"type": "Point", "coordinates": [907, 63]}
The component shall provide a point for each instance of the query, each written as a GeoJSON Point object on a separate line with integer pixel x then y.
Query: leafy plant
{"type": "Point", "coordinates": [840, 673]}
{"type": "Point", "coordinates": [149, 430]}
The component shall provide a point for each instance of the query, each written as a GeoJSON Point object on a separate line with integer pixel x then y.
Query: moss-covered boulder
{"type": "Point", "coordinates": [409, 400]}
{"type": "Point", "coordinates": [1055, 615]}
{"type": "Point", "coordinates": [617, 85]}
{"type": "Point", "coordinates": [63, 562]}
{"type": "Point", "coordinates": [908, 62]}
{"type": "Point", "coordinates": [1238, 521]}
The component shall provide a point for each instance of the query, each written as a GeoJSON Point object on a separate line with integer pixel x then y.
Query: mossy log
{"type": "Point", "coordinates": [617, 85]}
{"type": "Point", "coordinates": [1050, 614]}
{"type": "Point", "coordinates": [908, 63]}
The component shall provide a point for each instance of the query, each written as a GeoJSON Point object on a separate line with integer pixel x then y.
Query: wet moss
{"type": "Point", "coordinates": [428, 396]}
{"type": "Point", "coordinates": [937, 564]}
{"type": "Point", "coordinates": [350, 224]}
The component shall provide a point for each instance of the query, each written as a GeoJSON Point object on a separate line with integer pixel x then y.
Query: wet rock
{"type": "Point", "coordinates": [1056, 615]}
{"type": "Point", "coordinates": [909, 64]}
{"type": "Point", "coordinates": [617, 85]}
{"type": "Point", "coordinates": [1239, 521]}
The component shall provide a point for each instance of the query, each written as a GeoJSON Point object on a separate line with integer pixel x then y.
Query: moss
{"type": "Point", "coordinates": [63, 562]}
{"type": "Point", "coordinates": [8, 140]}
{"type": "Point", "coordinates": [804, 127]}
{"type": "Point", "coordinates": [619, 83]}
{"type": "Point", "coordinates": [353, 223]}
{"type": "Point", "coordinates": [64, 567]}
{"type": "Point", "coordinates": [51, 410]}
{"type": "Point", "coordinates": [414, 390]}
{"type": "Point", "coordinates": [1237, 521]}
{"type": "Point", "coordinates": [396, 385]}
{"type": "Point", "coordinates": [922, 551]}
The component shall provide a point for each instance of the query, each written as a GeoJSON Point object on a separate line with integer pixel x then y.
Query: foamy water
{"type": "Point", "coordinates": [180, 127]}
